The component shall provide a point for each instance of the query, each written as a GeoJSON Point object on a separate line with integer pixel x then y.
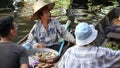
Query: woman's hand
{"type": "Point", "coordinates": [40, 45]}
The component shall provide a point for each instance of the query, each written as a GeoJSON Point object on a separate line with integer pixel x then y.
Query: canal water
{"type": "Point", "coordinates": [24, 25]}
{"type": "Point", "coordinates": [23, 20]}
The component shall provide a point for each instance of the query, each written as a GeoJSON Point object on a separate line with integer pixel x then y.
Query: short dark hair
{"type": "Point", "coordinates": [6, 24]}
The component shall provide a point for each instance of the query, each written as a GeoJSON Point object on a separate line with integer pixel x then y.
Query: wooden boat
{"type": "Point", "coordinates": [102, 38]}
{"type": "Point", "coordinates": [64, 44]}
{"type": "Point", "coordinates": [107, 24]}
{"type": "Point", "coordinates": [101, 25]}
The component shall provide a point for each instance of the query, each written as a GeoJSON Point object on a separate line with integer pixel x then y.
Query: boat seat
{"type": "Point", "coordinates": [113, 35]}
{"type": "Point", "coordinates": [110, 34]}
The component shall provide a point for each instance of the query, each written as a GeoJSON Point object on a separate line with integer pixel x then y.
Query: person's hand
{"type": "Point", "coordinates": [40, 45]}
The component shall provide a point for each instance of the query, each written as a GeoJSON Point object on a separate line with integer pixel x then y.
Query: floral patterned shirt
{"type": "Point", "coordinates": [39, 34]}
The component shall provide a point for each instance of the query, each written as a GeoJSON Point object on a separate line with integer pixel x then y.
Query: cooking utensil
{"type": "Point", "coordinates": [37, 50]}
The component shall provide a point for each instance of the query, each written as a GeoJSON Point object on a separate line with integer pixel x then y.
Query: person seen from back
{"type": "Point", "coordinates": [85, 54]}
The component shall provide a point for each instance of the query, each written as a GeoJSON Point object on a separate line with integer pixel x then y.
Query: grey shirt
{"type": "Point", "coordinates": [12, 55]}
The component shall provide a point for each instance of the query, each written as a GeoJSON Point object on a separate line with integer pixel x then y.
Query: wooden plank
{"type": "Point", "coordinates": [23, 39]}
{"type": "Point", "coordinates": [113, 35]}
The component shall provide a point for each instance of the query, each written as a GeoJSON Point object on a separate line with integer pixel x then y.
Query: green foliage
{"type": "Point", "coordinates": [62, 4]}
{"type": "Point", "coordinates": [47, 1]}
{"type": "Point", "coordinates": [59, 10]}
{"type": "Point", "coordinates": [110, 45]}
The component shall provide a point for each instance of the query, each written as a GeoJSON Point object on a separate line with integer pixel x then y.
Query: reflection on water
{"type": "Point", "coordinates": [90, 16]}
{"type": "Point", "coordinates": [24, 25]}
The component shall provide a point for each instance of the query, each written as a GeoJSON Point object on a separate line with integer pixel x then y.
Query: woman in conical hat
{"type": "Point", "coordinates": [46, 29]}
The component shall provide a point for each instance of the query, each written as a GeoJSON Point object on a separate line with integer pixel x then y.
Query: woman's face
{"type": "Point", "coordinates": [45, 14]}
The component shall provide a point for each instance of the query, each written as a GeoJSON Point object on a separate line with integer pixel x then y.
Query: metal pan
{"type": "Point", "coordinates": [33, 51]}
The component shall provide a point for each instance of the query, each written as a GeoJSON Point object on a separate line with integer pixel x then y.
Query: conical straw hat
{"type": "Point", "coordinates": [39, 5]}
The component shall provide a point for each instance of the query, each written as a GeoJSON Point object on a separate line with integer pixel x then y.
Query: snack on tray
{"type": "Point", "coordinates": [46, 57]}
{"type": "Point", "coordinates": [42, 59]}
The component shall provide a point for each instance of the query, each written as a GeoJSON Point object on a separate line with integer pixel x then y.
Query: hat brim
{"type": "Point", "coordinates": [35, 15]}
{"type": "Point", "coordinates": [90, 39]}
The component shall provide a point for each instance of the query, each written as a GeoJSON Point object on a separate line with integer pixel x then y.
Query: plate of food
{"type": "Point", "coordinates": [42, 57]}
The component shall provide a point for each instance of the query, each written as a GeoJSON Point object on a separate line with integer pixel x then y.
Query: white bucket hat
{"type": "Point", "coordinates": [85, 34]}
{"type": "Point", "coordinates": [39, 5]}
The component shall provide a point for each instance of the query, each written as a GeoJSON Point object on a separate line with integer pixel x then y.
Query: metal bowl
{"type": "Point", "coordinates": [36, 50]}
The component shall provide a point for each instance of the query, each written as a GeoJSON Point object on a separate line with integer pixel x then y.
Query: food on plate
{"type": "Point", "coordinates": [42, 59]}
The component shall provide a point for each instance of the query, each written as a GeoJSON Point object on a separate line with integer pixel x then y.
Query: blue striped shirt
{"type": "Point", "coordinates": [89, 57]}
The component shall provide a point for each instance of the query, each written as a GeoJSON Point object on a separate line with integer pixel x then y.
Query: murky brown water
{"type": "Point", "coordinates": [24, 25]}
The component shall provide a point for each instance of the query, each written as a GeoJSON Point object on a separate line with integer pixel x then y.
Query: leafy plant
{"type": "Point", "coordinates": [110, 45]}
{"type": "Point", "coordinates": [62, 4]}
